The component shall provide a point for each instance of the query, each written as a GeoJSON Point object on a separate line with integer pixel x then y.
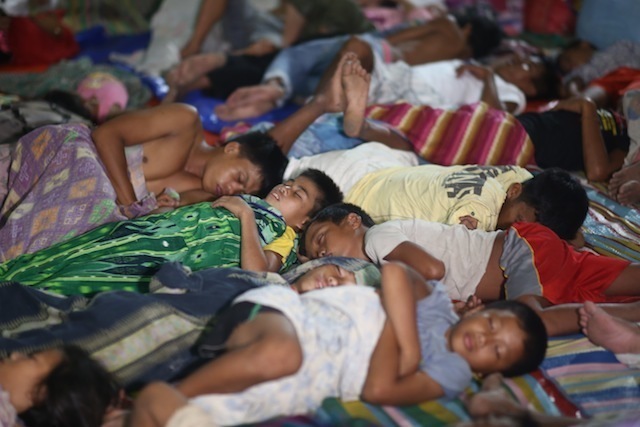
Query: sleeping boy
{"type": "Point", "coordinates": [278, 343]}
{"type": "Point", "coordinates": [124, 255]}
{"type": "Point", "coordinates": [527, 262]}
{"type": "Point", "coordinates": [480, 197]}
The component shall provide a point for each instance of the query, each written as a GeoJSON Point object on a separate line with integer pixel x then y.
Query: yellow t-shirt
{"type": "Point", "coordinates": [283, 244]}
{"type": "Point", "coordinates": [437, 193]}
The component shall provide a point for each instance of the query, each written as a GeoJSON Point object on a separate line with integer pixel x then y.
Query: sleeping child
{"type": "Point", "coordinates": [277, 342]}
{"type": "Point", "coordinates": [124, 255]}
{"type": "Point", "coordinates": [528, 261]}
{"type": "Point", "coordinates": [163, 325]}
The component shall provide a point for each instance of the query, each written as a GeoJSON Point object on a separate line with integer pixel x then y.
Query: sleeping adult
{"type": "Point", "coordinates": [64, 180]}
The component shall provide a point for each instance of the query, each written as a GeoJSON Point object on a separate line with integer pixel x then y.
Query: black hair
{"type": "Point", "coordinates": [569, 46]}
{"type": "Point", "coordinates": [560, 201]}
{"type": "Point", "coordinates": [263, 151]}
{"type": "Point", "coordinates": [335, 213]}
{"type": "Point", "coordinates": [338, 212]}
{"type": "Point", "coordinates": [485, 35]}
{"type": "Point", "coordinates": [536, 338]}
{"type": "Point", "coordinates": [70, 101]}
{"type": "Point", "coordinates": [329, 191]}
{"type": "Point", "coordinates": [546, 84]}
{"type": "Point", "coordinates": [77, 393]}
{"type": "Point", "coordinates": [576, 42]}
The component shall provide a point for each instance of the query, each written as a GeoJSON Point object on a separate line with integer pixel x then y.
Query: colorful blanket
{"type": "Point", "coordinates": [55, 187]}
{"type": "Point", "coordinates": [124, 255]}
{"type": "Point", "coordinates": [472, 134]}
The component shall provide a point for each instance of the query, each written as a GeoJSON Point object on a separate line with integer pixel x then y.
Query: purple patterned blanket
{"type": "Point", "coordinates": [56, 188]}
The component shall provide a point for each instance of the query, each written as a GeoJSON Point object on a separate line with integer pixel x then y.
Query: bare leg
{"type": "Point", "coordinates": [155, 405]}
{"type": "Point", "coordinates": [624, 175]}
{"type": "Point", "coordinates": [330, 100]}
{"type": "Point", "coordinates": [605, 330]}
{"type": "Point", "coordinates": [263, 349]}
{"type": "Point", "coordinates": [361, 49]}
{"type": "Point", "coordinates": [627, 283]}
{"type": "Point", "coordinates": [355, 81]}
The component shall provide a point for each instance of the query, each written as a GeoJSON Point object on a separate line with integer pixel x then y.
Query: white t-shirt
{"type": "Point", "coordinates": [434, 84]}
{"type": "Point", "coordinates": [346, 167]}
{"type": "Point", "coordinates": [465, 253]}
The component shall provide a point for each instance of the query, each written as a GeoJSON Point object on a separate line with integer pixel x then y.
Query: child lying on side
{"type": "Point", "coordinates": [527, 262]}
{"type": "Point", "coordinates": [271, 357]}
{"type": "Point", "coordinates": [124, 255]}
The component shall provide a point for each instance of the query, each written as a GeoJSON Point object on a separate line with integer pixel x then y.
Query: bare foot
{"type": "Point", "coordinates": [612, 333]}
{"type": "Point", "coordinates": [629, 173]}
{"type": "Point", "coordinates": [245, 111]}
{"type": "Point", "coordinates": [629, 193]}
{"type": "Point", "coordinates": [331, 94]}
{"type": "Point", "coordinates": [193, 67]}
{"type": "Point", "coordinates": [250, 101]}
{"type": "Point", "coordinates": [355, 82]}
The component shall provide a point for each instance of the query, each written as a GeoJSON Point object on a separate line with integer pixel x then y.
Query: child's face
{"type": "Point", "coordinates": [295, 199]}
{"type": "Point", "coordinates": [575, 57]}
{"type": "Point", "coordinates": [324, 276]}
{"type": "Point", "coordinates": [328, 239]}
{"type": "Point", "coordinates": [515, 211]}
{"type": "Point", "coordinates": [522, 73]}
{"type": "Point", "coordinates": [231, 173]}
{"type": "Point", "coordinates": [21, 374]}
{"type": "Point", "coordinates": [489, 340]}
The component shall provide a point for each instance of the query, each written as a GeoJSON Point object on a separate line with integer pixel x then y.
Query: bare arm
{"type": "Point", "coordinates": [384, 386]}
{"type": "Point", "coordinates": [598, 163]}
{"type": "Point", "coordinates": [417, 258]}
{"type": "Point", "coordinates": [401, 289]}
{"type": "Point", "coordinates": [294, 23]}
{"type": "Point", "coordinates": [288, 130]}
{"type": "Point", "coordinates": [489, 90]}
{"type": "Point", "coordinates": [252, 256]}
{"type": "Point", "coordinates": [386, 134]}
{"type": "Point", "coordinates": [210, 12]}
{"type": "Point", "coordinates": [174, 126]}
